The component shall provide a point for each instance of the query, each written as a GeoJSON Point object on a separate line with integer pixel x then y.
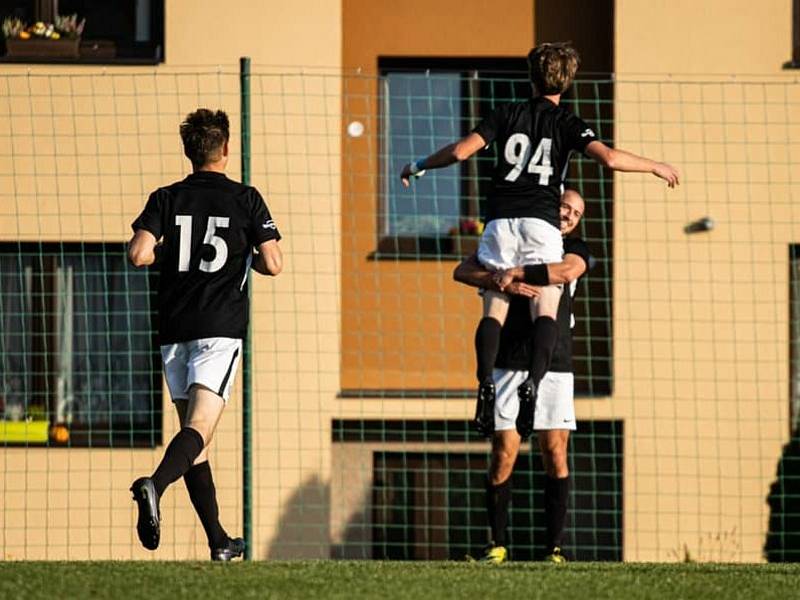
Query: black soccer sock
{"type": "Point", "coordinates": [556, 493]}
{"type": "Point", "coordinates": [487, 344]}
{"type": "Point", "coordinates": [498, 498]}
{"type": "Point", "coordinates": [179, 457]}
{"type": "Point", "coordinates": [545, 337]}
{"type": "Point", "coordinates": [203, 494]}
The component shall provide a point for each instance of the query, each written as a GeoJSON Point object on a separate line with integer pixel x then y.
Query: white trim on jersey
{"type": "Point", "coordinates": [564, 170]}
{"type": "Point", "coordinates": [248, 262]}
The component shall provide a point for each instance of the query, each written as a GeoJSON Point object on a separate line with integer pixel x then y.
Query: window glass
{"type": "Point", "coordinates": [77, 343]}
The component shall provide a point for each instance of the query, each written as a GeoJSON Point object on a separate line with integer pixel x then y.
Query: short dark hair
{"type": "Point", "coordinates": [204, 132]}
{"type": "Point", "coordinates": [553, 67]}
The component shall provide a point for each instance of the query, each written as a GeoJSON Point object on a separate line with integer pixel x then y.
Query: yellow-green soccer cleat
{"type": "Point", "coordinates": [556, 556]}
{"type": "Point", "coordinates": [494, 555]}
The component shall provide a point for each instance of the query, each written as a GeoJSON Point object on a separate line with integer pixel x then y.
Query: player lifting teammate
{"type": "Point", "coordinates": [209, 227]}
{"type": "Point", "coordinates": [534, 139]}
{"type": "Point", "coordinates": [555, 409]}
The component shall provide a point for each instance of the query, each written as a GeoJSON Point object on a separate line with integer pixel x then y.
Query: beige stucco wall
{"type": "Point", "coordinates": [711, 36]}
{"type": "Point", "coordinates": [87, 145]}
{"type": "Point", "coordinates": [701, 322]}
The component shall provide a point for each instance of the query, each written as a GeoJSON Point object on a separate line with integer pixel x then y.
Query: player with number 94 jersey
{"type": "Point", "coordinates": [534, 141]}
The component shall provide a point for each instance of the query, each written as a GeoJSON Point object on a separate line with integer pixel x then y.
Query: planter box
{"type": "Point", "coordinates": [24, 432]}
{"type": "Point", "coordinates": [464, 245]}
{"type": "Point", "coordinates": [38, 48]}
{"type": "Point", "coordinates": [98, 49]}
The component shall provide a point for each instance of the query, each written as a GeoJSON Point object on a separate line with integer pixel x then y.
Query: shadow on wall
{"type": "Point", "coordinates": [783, 537]}
{"type": "Point", "coordinates": [355, 541]}
{"type": "Point", "coordinates": [304, 527]}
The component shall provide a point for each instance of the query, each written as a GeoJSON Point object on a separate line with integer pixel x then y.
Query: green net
{"type": "Point", "coordinates": [84, 406]}
{"type": "Point", "coordinates": [362, 364]}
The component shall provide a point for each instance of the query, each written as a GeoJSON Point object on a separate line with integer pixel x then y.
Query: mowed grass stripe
{"type": "Point", "coordinates": [383, 579]}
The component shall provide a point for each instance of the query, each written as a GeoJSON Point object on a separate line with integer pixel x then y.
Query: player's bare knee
{"type": "Point", "coordinates": [554, 457]}
{"type": "Point", "coordinates": [546, 305]}
{"type": "Point", "coordinates": [553, 446]}
{"type": "Point", "coordinates": [500, 472]}
{"type": "Point", "coordinates": [495, 305]}
{"type": "Point", "coordinates": [503, 459]}
{"type": "Point", "coordinates": [555, 464]}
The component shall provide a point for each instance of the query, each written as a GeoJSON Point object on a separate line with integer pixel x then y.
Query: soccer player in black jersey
{"type": "Point", "coordinates": [208, 227]}
{"type": "Point", "coordinates": [555, 411]}
{"type": "Point", "coordinates": [534, 139]}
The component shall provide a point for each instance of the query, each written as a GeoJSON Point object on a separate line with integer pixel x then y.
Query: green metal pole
{"type": "Point", "coordinates": [247, 376]}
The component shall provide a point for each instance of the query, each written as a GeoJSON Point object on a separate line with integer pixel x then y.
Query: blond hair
{"type": "Point", "coordinates": [553, 67]}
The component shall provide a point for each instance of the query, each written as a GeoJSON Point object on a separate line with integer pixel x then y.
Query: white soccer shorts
{"type": "Point", "coordinates": [555, 404]}
{"type": "Point", "coordinates": [507, 243]}
{"type": "Point", "coordinates": [210, 362]}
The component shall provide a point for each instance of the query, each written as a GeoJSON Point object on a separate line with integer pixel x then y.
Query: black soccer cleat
{"type": "Point", "coordinates": [148, 526]}
{"type": "Point", "coordinates": [484, 410]}
{"type": "Point", "coordinates": [232, 549]}
{"type": "Point", "coordinates": [527, 405]}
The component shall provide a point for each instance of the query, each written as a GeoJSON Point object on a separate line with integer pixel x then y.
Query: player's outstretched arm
{"type": "Point", "coordinates": [620, 160]}
{"type": "Point", "coordinates": [472, 273]}
{"type": "Point", "coordinates": [268, 259]}
{"type": "Point", "coordinates": [444, 157]}
{"type": "Point", "coordinates": [142, 248]}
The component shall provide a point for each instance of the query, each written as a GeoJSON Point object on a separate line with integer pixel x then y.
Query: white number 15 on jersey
{"type": "Point", "coordinates": [518, 153]}
{"type": "Point", "coordinates": [184, 223]}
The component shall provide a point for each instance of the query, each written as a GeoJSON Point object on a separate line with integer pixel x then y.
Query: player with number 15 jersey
{"type": "Point", "coordinates": [209, 225]}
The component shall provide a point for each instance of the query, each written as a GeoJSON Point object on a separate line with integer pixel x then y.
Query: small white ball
{"type": "Point", "coordinates": [355, 129]}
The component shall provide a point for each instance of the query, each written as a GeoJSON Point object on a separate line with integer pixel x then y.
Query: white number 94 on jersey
{"type": "Point", "coordinates": [518, 153]}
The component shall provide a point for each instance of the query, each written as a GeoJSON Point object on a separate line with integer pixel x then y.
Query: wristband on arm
{"type": "Point", "coordinates": [417, 167]}
{"type": "Point", "coordinates": [537, 274]}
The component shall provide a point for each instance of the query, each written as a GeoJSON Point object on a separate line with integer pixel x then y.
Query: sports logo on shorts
{"type": "Point", "coordinates": [587, 133]}
{"type": "Point", "coordinates": [269, 225]}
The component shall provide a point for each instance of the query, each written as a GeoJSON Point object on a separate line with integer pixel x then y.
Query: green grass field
{"type": "Point", "coordinates": [373, 579]}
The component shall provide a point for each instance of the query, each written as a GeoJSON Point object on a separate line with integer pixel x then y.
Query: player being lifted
{"type": "Point", "coordinates": [534, 139]}
{"type": "Point", "coordinates": [209, 227]}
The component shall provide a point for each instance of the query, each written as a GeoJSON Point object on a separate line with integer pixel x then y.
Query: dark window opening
{"type": "Point", "coordinates": [79, 360]}
{"type": "Point", "coordinates": [430, 107]}
{"type": "Point", "coordinates": [427, 103]}
{"type": "Point", "coordinates": [430, 505]}
{"type": "Point", "coordinates": [782, 543]}
{"type": "Point", "coordinates": [592, 98]}
{"type": "Point", "coordinates": [795, 62]}
{"type": "Point", "coordinates": [121, 32]}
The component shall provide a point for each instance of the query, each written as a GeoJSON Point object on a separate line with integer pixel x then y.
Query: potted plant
{"type": "Point", "coordinates": [61, 39]}
{"type": "Point", "coordinates": [464, 238]}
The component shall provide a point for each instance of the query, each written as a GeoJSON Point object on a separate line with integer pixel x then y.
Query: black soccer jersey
{"type": "Point", "coordinates": [209, 225]}
{"type": "Point", "coordinates": [515, 337]}
{"type": "Point", "coordinates": [534, 141]}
